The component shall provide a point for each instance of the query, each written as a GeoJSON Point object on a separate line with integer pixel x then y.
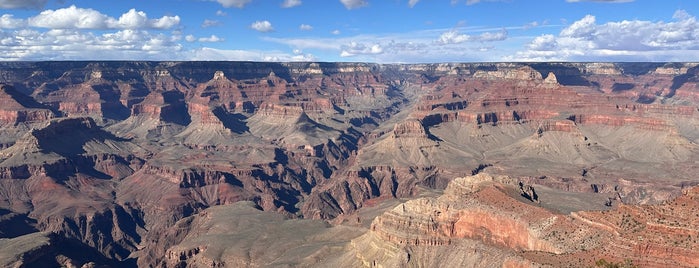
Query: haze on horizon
{"type": "Point", "coordinates": [380, 31]}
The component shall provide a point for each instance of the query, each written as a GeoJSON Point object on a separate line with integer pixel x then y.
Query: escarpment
{"type": "Point", "coordinates": [480, 216]}
{"type": "Point", "coordinates": [122, 158]}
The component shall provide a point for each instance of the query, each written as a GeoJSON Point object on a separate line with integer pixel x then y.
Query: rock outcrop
{"type": "Point", "coordinates": [117, 156]}
{"type": "Point", "coordinates": [479, 217]}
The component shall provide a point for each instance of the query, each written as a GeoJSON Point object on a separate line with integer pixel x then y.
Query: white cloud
{"type": "Point", "coordinates": [587, 40]}
{"type": "Point", "coordinates": [85, 18]}
{"type": "Point", "coordinates": [335, 32]}
{"type": "Point", "coordinates": [71, 17]}
{"type": "Point", "coordinates": [411, 3]}
{"type": "Point", "coordinates": [8, 21]}
{"type": "Point", "coordinates": [473, 2]}
{"type": "Point", "coordinates": [233, 3]}
{"type": "Point", "coordinates": [353, 4]}
{"type": "Point", "coordinates": [74, 44]}
{"type": "Point", "coordinates": [291, 3]}
{"type": "Point", "coordinates": [85, 34]}
{"type": "Point", "coordinates": [211, 39]}
{"type": "Point", "coordinates": [600, 1]}
{"type": "Point", "coordinates": [305, 27]}
{"type": "Point", "coordinates": [221, 13]}
{"type": "Point", "coordinates": [245, 55]}
{"type": "Point", "coordinates": [355, 48]}
{"type": "Point", "coordinates": [418, 46]}
{"type": "Point", "coordinates": [22, 4]}
{"type": "Point", "coordinates": [530, 25]}
{"type": "Point", "coordinates": [454, 37]}
{"type": "Point", "coordinates": [210, 23]}
{"type": "Point", "coordinates": [166, 22]}
{"type": "Point", "coordinates": [262, 26]}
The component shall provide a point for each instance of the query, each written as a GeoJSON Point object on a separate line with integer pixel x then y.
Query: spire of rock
{"type": "Point", "coordinates": [96, 74]}
{"type": "Point", "coordinates": [219, 75]}
{"type": "Point", "coordinates": [551, 79]}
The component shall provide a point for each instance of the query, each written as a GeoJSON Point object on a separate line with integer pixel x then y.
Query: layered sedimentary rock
{"type": "Point", "coordinates": [113, 155]}
{"type": "Point", "coordinates": [481, 221]}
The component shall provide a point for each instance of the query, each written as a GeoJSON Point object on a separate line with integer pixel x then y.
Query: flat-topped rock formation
{"type": "Point", "coordinates": [113, 156]}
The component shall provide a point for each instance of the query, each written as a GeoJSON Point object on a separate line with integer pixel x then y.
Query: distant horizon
{"type": "Point", "coordinates": [385, 32]}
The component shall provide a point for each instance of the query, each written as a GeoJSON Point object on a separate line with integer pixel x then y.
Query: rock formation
{"type": "Point", "coordinates": [123, 157]}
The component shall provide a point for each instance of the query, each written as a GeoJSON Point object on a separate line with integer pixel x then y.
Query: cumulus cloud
{"type": "Point", "coordinates": [190, 38]}
{"type": "Point", "coordinates": [473, 2]}
{"type": "Point", "coordinates": [419, 46]}
{"type": "Point", "coordinates": [22, 4]}
{"type": "Point", "coordinates": [262, 26]}
{"type": "Point", "coordinates": [335, 32]}
{"type": "Point", "coordinates": [246, 55]}
{"type": "Point", "coordinates": [355, 48]}
{"type": "Point", "coordinates": [586, 39]}
{"type": "Point", "coordinates": [454, 37]}
{"type": "Point", "coordinates": [210, 23]}
{"type": "Point", "coordinates": [74, 44]}
{"type": "Point", "coordinates": [411, 3]}
{"type": "Point", "coordinates": [291, 3]}
{"type": "Point", "coordinates": [71, 17]}
{"type": "Point", "coordinates": [354, 4]}
{"type": "Point", "coordinates": [221, 13]}
{"type": "Point", "coordinates": [8, 21]}
{"type": "Point", "coordinates": [85, 18]}
{"type": "Point", "coordinates": [600, 1]}
{"type": "Point", "coordinates": [233, 3]}
{"type": "Point", "coordinates": [211, 39]}
{"type": "Point", "coordinates": [305, 27]}
{"type": "Point", "coordinates": [530, 25]}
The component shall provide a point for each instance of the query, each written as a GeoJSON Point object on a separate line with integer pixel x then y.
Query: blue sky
{"type": "Point", "coordinates": [384, 31]}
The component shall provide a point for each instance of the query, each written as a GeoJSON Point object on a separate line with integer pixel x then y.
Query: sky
{"type": "Point", "coordinates": [382, 31]}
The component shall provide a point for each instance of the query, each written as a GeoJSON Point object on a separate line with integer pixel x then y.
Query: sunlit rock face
{"type": "Point", "coordinates": [122, 158]}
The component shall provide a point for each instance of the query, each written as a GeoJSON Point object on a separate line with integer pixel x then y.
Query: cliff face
{"type": "Point", "coordinates": [483, 215]}
{"type": "Point", "coordinates": [111, 155]}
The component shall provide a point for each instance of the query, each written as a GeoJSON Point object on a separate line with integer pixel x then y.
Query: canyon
{"type": "Point", "coordinates": [230, 164]}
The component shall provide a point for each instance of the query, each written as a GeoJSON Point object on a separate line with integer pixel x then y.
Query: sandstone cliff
{"type": "Point", "coordinates": [116, 156]}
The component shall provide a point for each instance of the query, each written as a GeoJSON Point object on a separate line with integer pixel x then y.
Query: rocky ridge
{"type": "Point", "coordinates": [323, 140]}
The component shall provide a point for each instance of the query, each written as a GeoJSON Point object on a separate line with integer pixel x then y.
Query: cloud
{"type": "Point", "coordinates": [22, 4]}
{"type": "Point", "coordinates": [206, 53]}
{"type": "Point", "coordinates": [355, 48]}
{"type": "Point", "coordinates": [138, 19]}
{"type": "Point", "coordinates": [335, 32]}
{"type": "Point", "coordinates": [354, 4]}
{"type": "Point", "coordinates": [600, 1]}
{"type": "Point", "coordinates": [85, 34]}
{"type": "Point", "coordinates": [411, 3]}
{"type": "Point", "coordinates": [262, 26]}
{"type": "Point", "coordinates": [71, 17]}
{"type": "Point", "coordinates": [473, 2]}
{"type": "Point", "coordinates": [8, 21]}
{"type": "Point", "coordinates": [221, 13]}
{"type": "Point", "coordinates": [530, 25]}
{"type": "Point", "coordinates": [233, 3]}
{"type": "Point", "coordinates": [418, 46]}
{"type": "Point", "coordinates": [454, 37]}
{"type": "Point", "coordinates": [291, 3]}
{"type": "Point", "coordinates": [210, 23]}
{"type": "Point", "coordinates": [74, 44]}
{"type": "Point", "coordinates": [305, 27]}
{"type": "Point", "coordinates": [211, 39]}
{"type": "Point", "coordinates": [588, 40]}
{"type": "Point", "coordinates": [84, 18]}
